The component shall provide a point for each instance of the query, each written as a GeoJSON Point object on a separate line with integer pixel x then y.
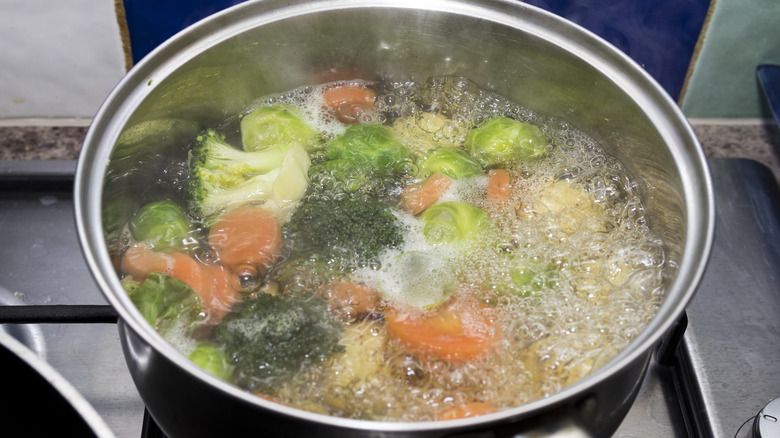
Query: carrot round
{"type": "Point", "coordinates": [466, 410]}
{"type": "Point", "coordinates": [350, 102]}
{"type": "Point", "coordinates": [351, 299]}
{"type": "Point", "coordinates": [499, 183]}
{"type": "Point", "coordinates": [458, 331]}
{"type": "Point", "coordinates": [415, 198]}
{"type": "Point", "coordinates": [246, 236]}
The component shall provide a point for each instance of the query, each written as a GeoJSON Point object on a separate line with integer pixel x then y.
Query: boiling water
{"type": "Point", "coordinates": [569, 269]}
{"type": "Point", "coordinates": [575, 233]}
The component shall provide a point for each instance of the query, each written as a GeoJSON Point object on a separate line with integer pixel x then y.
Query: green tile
{"type": "Point", "coordinates": [741, 34]}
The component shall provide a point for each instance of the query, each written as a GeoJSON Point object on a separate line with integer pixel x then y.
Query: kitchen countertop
{"type": "Point", "coordinates": [755, 139]}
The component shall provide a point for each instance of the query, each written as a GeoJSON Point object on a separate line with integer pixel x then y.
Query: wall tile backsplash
{"type": "Point", "coordinates": [58, 58]}
{"type": "Point", "coordinates": [741, 35]}
{"type": "Point", "coordinates": [659, 35]}
{"type": "Point", "coordinates": [61, 58]}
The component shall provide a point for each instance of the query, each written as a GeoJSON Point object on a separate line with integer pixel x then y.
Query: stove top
{"type": "Point", "coordinates": [721, 375]}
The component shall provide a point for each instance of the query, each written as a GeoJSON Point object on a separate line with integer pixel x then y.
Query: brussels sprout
{"type": "Point", "coordinates": [454, 163]}
{"type": "Point", "coordinates": [502, 140]}
{"type": "Point", "coordinates": [451, 221]}
{"type": "Point", "coordinates": [269, 126]}
{"type": "Point", "coordinates": [367, 160]}
{"type": "Point", "coordinates": [162, 224]}
{"type": "Point", "coordinates": [526, 279]}
{"type": "Point", "coordinates": [212, 358]}
{"type": "Point", "coordinates": [522, 275]}
{"type": "Point", "coordinates": [166, 303]}
{"type": "Point", "coordinates": [368, 145]}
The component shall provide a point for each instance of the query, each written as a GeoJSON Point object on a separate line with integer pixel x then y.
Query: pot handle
{"type": "Point", "coordinates": [666, 351]}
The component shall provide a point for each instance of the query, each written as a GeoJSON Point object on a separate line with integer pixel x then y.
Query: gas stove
{"type": "Point", "coordinates": [721, 371]}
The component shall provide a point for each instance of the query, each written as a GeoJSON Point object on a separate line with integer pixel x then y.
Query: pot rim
{"type": "Point", "coordinates": [175, 52]}
{"type": "Point", "coordinates": [58, 386]}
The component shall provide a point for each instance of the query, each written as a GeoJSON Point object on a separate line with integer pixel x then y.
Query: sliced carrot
{"type": "Point", "coordinates": [194, 274]}
{"type": "Point", "coordinates": [140, 260]}
{"type": "Point", "coordinates": [458, 331]}
{"type": "Point", "coordinates": [350, 102]}
{"type": "Point", "coordinates": [466, 410]}
{"type": "Point", "coordinates": [499, 184]}
{"type": "Point", "coordinates": [415, 198]}
{"type": "Point", "coordinates": [210, 282]}
{"type": "Point", "coordinates": [246, 236]}
{"type": "Point", "coordinates": [351, 300]}
{"type": "Point", "coordinates": [223, 295]}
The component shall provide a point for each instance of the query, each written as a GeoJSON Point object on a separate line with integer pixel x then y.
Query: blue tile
{"type": "Point", "coordinates": [659, 35]}
{"type": "Point", "coordinates": [151, 22]}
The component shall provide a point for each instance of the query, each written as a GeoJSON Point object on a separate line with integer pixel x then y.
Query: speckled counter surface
{"type": "Point", "coordinates": [41, 142]}
{"type": "Point", "coordinates": [756, 140]}
{"type": "Point", "coordinates": [759, 141]}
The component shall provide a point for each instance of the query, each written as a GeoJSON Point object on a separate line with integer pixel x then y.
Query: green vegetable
{"type": "Point", "coordinates": [348, 229]}
{"type": "Point", "coordinates": [223, 175]}
{"type": "Point", "coordinates": [526, 276]}
{"type": "Point", "coordinates": [271, 338]}
{"type": "Point", "coordinates": [274, 125]}
{"type": "Point", "coordinates": [503, 140]}
{"type": "Point", "coordinates": [162, 224]}
{"type": "Point", "coordinates": [451, 221]}
{"type": "Point", "coordinates": [522, 275]}
{"type": "Point", "coordinates": [212, 358]}
{"type": "Point", "coordinates": [166, 303]}
{"type": "Point", "coordinates": [367, 161]}
{"type": "Point", "coordinates": [454, 163]}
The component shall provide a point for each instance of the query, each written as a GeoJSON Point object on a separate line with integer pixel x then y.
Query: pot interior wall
{"type": "Point", "coordinates": [197, 82]}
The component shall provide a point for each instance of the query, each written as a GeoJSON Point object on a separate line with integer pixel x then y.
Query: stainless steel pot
{"type": "Point", "coordinates": [216, 67]}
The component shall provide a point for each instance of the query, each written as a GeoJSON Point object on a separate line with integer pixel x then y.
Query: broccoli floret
{"type": "Point", "coordinates": [304, 272]}
{"type": "Point", "coordinates": [368, 161]}
{"type": "Point", "coordinates": [348, 229]}
{"type": "Point", "coordinates": [222, 175]}
{"type": "Point", "coordinates": [327, 240]}
{"type": "Point", "coordinates": [271, 338]}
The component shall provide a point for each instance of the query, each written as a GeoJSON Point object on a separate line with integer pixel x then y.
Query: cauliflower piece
{"type": "Point", "coordinates": [429, 130]}
{"type": "Point", "coordinates": [353, 370]}
{"type": "Point", "coordinates": [575, 207]}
